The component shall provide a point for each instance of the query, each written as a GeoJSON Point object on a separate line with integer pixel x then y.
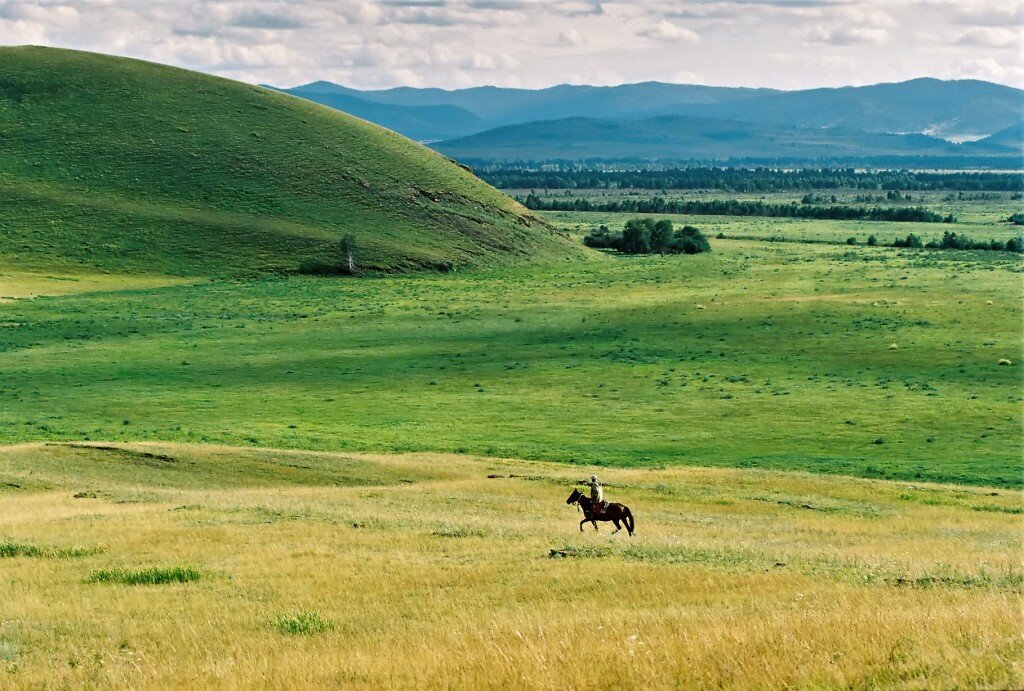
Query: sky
{"type": "Point", "coordinates": [371, 44]}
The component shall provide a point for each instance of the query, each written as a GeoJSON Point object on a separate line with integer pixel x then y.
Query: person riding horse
{"type": "Point", "coordinates": [597, 495]}
{"type": "Point", "coordinates": [595, 508]}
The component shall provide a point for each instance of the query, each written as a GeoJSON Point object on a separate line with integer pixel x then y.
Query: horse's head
{"type": "Point", "coordinates": [574, 497]}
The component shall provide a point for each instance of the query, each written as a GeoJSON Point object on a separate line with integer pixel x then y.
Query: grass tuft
{"type": "Point", "coordinates": [302, 624]}
{"type": "Point", "coordinates": [458, 531]}
{"type": "Point", "coordinates": [8, 651]}
{"type": "Point", "coordinates": [151, 576]}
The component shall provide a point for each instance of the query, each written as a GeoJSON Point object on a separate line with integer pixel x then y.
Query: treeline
{"type": "Point", "coordinates": [734, 207]}
{"type": "Point", "coordinates": [750, 180]}
{"type": "Point", "coordinates": [952, 241]}
{"type": "Point", "coordinates": [648, 236]}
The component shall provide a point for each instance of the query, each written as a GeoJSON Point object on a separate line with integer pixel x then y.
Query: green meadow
{"type": "Point", "coordinates": [872, 362]}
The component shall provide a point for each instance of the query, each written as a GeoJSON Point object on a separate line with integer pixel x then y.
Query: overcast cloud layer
{"type": "Point", "coordinates": [455, 43]}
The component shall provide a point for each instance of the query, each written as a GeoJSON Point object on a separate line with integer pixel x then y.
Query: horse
{"type": "Point", "coordinates": [615, 513]}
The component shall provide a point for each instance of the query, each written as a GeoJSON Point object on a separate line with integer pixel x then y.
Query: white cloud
{"type": "Point", "coordinates": [992, 70]}
{"type": "Point", "coordinates": [449, 43]}
{"type": "Point", "coordinates": [667, 31]}
{"type": "Point", "coordinates": [847, 35]}
{"type": "Point", "coordinates": [570, 37]}
{"type": "Point", "coordinates": [991, 36]}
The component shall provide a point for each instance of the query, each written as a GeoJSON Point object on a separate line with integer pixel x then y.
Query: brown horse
{"type": "Point", "coordinates": [616, 513]}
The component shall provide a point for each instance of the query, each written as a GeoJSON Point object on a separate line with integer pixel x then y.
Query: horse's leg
{"type": "Point", "coordinates": [582, 522]}
{"type": "Point", "coordinates": [618, 527]}
{"type": "Point", "coordinates": [594, 522]}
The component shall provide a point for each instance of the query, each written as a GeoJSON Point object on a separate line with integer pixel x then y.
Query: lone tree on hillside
{"type": "Point", "coordinates": [348, 252]}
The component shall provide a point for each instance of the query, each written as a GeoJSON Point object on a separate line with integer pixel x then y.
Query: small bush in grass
{"type": "Point", "coordinates": [151, 576]}
{"type": "Point", "coordinates": [302, 624]}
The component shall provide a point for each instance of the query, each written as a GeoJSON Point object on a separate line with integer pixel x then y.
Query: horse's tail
{"type": "Point", "coordinates": [628, 520]}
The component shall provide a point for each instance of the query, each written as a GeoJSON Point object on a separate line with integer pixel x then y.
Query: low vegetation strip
{"type": "Point", "coordinates": [949, 241]}
{"type": "Point", "coordinates": [733, 207]}
{"type": "Point", "coordinates": [147, 576]}
{"type": "Point", "coordinates": [11, 550]}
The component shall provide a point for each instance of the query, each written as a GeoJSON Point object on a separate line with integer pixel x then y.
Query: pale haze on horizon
{"type": "Point", "coordinates": [787, 44]}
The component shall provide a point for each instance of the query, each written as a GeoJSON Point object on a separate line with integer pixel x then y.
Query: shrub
{"type": "Point", "coordinates": [151, 576]}
{"type": "Point", "coordinates": [910, 241]}
{"type": "Point", "coordinates": [851, 240]}
{"type": "Point", "coordinates": [872, 240]}
{"type": "Point", "coordinates": [689, 240]}
{"type": "Point", "coordinates": [602, 238]}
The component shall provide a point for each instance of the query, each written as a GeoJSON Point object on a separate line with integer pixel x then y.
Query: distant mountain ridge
{"type": "Point", "coordinates": [958, 111]}
{"type": "Point", "coordinates": [423, 123]}
{"type": "Point", "coordinates": [681, 137]}
{"type": "Point", "coordinates": [502, 106]}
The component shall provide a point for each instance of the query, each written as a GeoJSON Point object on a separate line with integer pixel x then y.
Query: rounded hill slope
{"type": "Point", "coordinates": [115, 164]}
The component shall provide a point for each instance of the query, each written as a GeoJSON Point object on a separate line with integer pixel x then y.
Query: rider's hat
{"type": "Point", "coordinates": [593, 478]}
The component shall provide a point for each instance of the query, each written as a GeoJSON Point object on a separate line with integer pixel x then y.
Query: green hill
{"type": "Point", "coordinates": [112, 164]}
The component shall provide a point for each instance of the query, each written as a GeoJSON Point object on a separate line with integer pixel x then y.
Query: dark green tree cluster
{"type": "Point", "coordinates": [952, 241]}
{"type": "Point", "coordinates": [576, 176]}
{"type": "Point", "coordinates": [735, 207]}
{"type": "Point", "coordinates": [648, 236]}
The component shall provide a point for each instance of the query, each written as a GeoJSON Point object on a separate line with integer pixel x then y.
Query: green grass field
{"type": "Point", "coordinates": [980, 216]}
{"type": "Point", "coordinates": [864, 361]}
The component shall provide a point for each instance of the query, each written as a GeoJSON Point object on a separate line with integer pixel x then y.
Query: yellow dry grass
{"type": "Point", "coordinates": [430, 574]}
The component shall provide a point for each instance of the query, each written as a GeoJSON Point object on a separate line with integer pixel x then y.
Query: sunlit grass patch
{"type": "Point", "coordinates": [150, 576]}
{"type": "Point", "coordinates": [302, 624]}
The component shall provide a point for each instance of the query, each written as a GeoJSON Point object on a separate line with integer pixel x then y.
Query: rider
{"type": "Point", "coordinates": [597, 495]}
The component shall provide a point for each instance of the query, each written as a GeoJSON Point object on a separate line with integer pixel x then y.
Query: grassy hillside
{"type": "Point", "coordinates": [115, 164]}
{"type": "Point", "coordinates": [173, 565]}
